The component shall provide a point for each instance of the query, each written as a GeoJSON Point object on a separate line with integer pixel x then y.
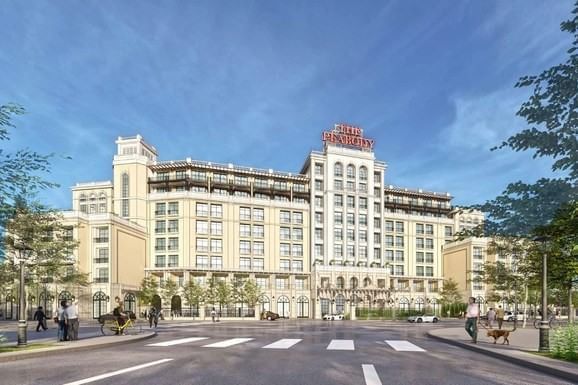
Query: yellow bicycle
{"type": "Point", "coordinates": [109, 325]}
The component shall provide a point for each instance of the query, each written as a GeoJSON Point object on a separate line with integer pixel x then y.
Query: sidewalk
{"type": "Point", "coordinates": [83, 343]}
{"type": "Point", "coordinates": [522, 343]}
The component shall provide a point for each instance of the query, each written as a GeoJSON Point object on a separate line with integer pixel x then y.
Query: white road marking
{"type": "Point", "coordinates": [179, 341]}
{"type": "Point", "coordinates": [404, 346]}
{"type": "Point", "coordinates": [227, 343]}
{"type": "Point", "coordinates": [370, 375]}
{"type": "Point", "coordinates": [341, 345]}
{"type": "Point", "coordinates": [285, 343]}
{"type": "Point", "coordinates": [122, 371]}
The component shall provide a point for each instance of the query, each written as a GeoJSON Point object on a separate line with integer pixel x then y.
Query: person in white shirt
{"type": "Point", "coordinates": [472, 317]}
{"type": "Point", "coordinates": [71, 316]}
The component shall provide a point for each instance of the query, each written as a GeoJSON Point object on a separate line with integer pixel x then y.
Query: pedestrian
{"type": "Point", "coordinates": [40, 316]}
{"type": "Point", "coordinates": [120, 315]}
{"type": "Point", "coordinates": [500, 316]}
{"type": "Point", "coordinates": [71, 315]}
{"type": "Point", "coordinates": [491, 317]}
{"type": "Point", "coordinates": [62, 329]}
{"type": "Point", "coordinates": [472, 318]}
{"type": "Point", "coordinates": [213, 314]}
{"type": "Point", "coordinates": [153, 317]}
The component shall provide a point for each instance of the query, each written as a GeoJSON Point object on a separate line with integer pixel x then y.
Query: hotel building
{"type": "Point", "coordinates": [334, 237]}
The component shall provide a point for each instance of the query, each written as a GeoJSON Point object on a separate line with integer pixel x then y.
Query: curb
{"type": "Point", "coordinates": [13, 356]}
{"type": "Point", "coordinates": [544, 368]}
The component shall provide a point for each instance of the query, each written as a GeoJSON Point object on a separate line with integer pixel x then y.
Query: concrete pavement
{"type": "Point", "coordinates": [522, 343]}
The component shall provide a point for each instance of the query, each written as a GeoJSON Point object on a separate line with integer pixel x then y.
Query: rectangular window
{"type": "Point", "coordinates": [217, 262]}
{"type": "Point", "coordinates": [297, 265]}
{"type": "Point", "coordinates": [377, 223]}
{"type": "Point", "coordinates": [160, 244]}
{"type": "Point", "coordinates": [377, 255]}
{"type": "Point", "coordinates": [389, 255]}
{"type": "Point", "coordinates": [429, 243]}
{"type": "Point", "coordinates": [419, 243]}
{"type": "Point", "coordinates": [388, 225]}
{"type": "Point", "coordinates": [216, 228]}
{"type": "Point", "coordinates": [338, 234]}
{"type": "Point", "coordinates": [363, 203]}
{"type": "Point", "coordinates": [419, 271]}
{"type": "Point", "coordinates": [389, 240]}
{"type": "Point", "coordinates": [318, 169]}
{"type": "Point", "coordinates": [363, 219]}
{"type": "Point", "coordinates": [258, 264]}
{"type": "Point", "coordinates": [244, 230]}
{"type": "Point", "coordinates": [363, 187]}
{"type": "Point", "coordinates": [319, 185]}
{"type": "Point", "coordinates": [202, 244]}
{"type": "Point", "coordinates": [350, 202]}
{"type": "Point", "coordinates": [377, 238]}
{"type": "Point", "coordinates": [281, 283]}
{"type": "Point", "coordinates": [285, 265]}
{"type": "Point", "coordinates": [318, 251]}
{"type": "Point", "coordinates": [398, 241]}
{"type": "Point", "coordinates": [258, 248]}
{"type": "Point", "coordinates": [297, 250]}
{"type": "Point", "coordinates": [299, 283]}
{"type": "Point", "coordinates": [202, 210]}
{"type": "Point", "coordinates": [398, 270]}
{"type": "Point", "coordinates": [245, 263]}
{"type": "Point", "coordinates": [285, 233]}
{"type": "Point", "coordinates": [245, 247]}
{"type": "Point", "coordinates": [217, 211]}
{"type": "Point", "coordinates": [220, 178]}
{"type": "Point", "coordinates": [338, 218]}
{"type": "Point", "coordinates": [173, 243]}
{"type": "Point", "coordinates": [203, 261]}
{"type": "Point", "coordinates": [399, 227]}
{"type": "Point", "coordinates": [338, 200]}
{"type": "Point", "coordinates": [419, 257]}
{"type": "Point", "coordinates": [338, 251]}
{"type": "Point", "coordinates": [160, 209]}
{"type": "Point", "coordinates": [351, 235]}
{"type": "Point", "coordinates": [363, 252]}
{"type": "Point", "coordinates": [363, 235]}
{"type": "Point", "coordinates": [350, 186]}
{"type": "Point", "coordinates": [338, 185]}
{"type": "Point", "coordinates": [258, 231]}
{"type": "Point", "coordinates": [376, 208]}
{"type": "Point", "coordinates": [173, 226]}
{"type": "Point", "coordinates": [419, 228]}
{"type": "Point", "coordinates": [245, 213]}
{"type": "Point", "coordinates": [262, 283]}
{"type": "Point", "coordinates": [350, 218]}
{"type": "Point", "coordinates": [124, 208]}
{"type": "Point", "coordinates": [319, 202]}
{"type": "Point", "coordinates": [318, 235]}
{"type": "Point", "coordinates": [173, 208]}
{"type": "Point", "coordinates": [173, 260]}
{"type": "Point", "coordinates": [258, 214]}
{"type": "Point", "coordinates": [350, 251]}
{"type": "Point", "coordinates": [202, 227]}
{"type": "Point", "coordinates": [298, 217]}
{"type": "Point", "coordinates": [399, 255]}
{"type": "Point", "coordinates": [478, 253]}
{"type": "Point", "coordinates": [160, 227]}
{"type": "Point", "coordinates": [285, 249]}
{"type": "Point", "coordinates": [429, 271]}
{"type": "Point", "coordinates": [285, 216]}
{"type": "Point", "coordinates": [429, 229]}
{"type": "Point", "coordinates": [429, 258]}
{"type": "Point", "coordinates": [297, 234]}
{"type": "Point", "coordinates": [377, 177]}
{"type": "Point", "coordinates": [318, 218]}
{"type": "Point", "coordinates": [448, 231]}
{"type": "Point", "coordinates": [216, 245]}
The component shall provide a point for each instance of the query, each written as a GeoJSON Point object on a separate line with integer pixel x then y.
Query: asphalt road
{"type": "Point", "coordinates": [280, 353]}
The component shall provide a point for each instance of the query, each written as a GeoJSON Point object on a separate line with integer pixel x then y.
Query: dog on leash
{"type": "Point", "coordinates": [497, 333]}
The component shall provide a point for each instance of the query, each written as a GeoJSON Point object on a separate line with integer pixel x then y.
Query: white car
{"type": "Point", "coordinates": [423, 318]}
{"type": "Point", "coordinates": [510, 316]}
{"type": "Point", "coordinates": [333, 317]}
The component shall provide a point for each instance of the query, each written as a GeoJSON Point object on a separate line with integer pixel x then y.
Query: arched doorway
{"type": "Point", "coordinates": [353, 283]}
{"type": "Point", "coordinates": [324, 303]}
{"type": "Point", "coordinates": [404, 304]}
{"type": "Point", "coordinates": [265, 304]}
{"type": "Point", "coordinates": [419, 304]}
{"type": "Point", "coordinates": [65, 296]}
{"type": "Point", "coordinates": [434, 305]}
{"type": "Point", "coordinates": [366, 282]}
{"type": "Point", "coordinates": [176, 305]}
{"type": "Point", "coordinates": [283, 306]}
{"type": "Point", "coordinates": [302, 307]}
{"type": "Point", "coordinates": [99, 300]}
{"type": "Point", "coordinates": [156, 302]}
{"type": "Point", "coordinates": [340, 304]}
{"type": "Point", "coordinates": [130, 302]}
{"type": "Point", "coordinates": [46, 300]}
{"type": "Point", "coordinates": [340, 283]}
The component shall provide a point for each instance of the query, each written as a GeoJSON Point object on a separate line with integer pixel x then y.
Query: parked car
{"type": "Point", "coordinates": [511, 316]}
{"type": "Point", "coordinates": [269, 315]}
{"type": "Point", "coordinates": [333, 317]}
{"type": "Point", "coordinates": [423, 318]}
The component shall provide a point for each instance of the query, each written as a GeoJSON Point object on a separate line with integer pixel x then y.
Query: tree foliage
{"type": "Point", "coordinates": [252, 292]}
{"type": "Point", "coordinates": [169, 289]}
{"type": "Point", "coordinates": [450, 292]}
{"type": "Point", "coordinates": [147, 290]}
{"type": "Point", "coordinates": [224, 293]}
{"type": "Point", "coordinates": [193, 293]}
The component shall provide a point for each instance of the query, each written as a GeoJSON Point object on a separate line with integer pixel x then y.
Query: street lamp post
{"type": "Point", "coordinates": [22, 322]}
{"type": "Point", "coordinates": [544, 342]}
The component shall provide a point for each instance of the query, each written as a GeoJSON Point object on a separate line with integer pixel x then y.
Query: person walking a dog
{"type": "Point", "coordinates": [472, 317]}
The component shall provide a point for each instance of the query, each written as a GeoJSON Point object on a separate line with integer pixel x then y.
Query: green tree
{"type": "Point", "coordinates": [252, 293]}
{"type": "Point", "coordinates": [450, 294]}
{"type": "Point", "coordinates": [193, 293]}
{"type": "Point", "coordinates": [147, 290]}
{"type": "Point", "coordinates": [169, 289]}
{"type": "Point", "coordinates": [210, 292]}
{"type": "Point", "coordinates": [224, 293]}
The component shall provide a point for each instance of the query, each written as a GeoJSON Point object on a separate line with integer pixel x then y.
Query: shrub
{"type": "Point", "coordinates": [564, 343]}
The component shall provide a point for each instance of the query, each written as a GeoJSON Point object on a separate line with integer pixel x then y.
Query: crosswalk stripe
{"type": "Point", "coordinates": [404, 346]}
{"type": "Point", "coordinates": [370, 375]}
{"type": "Point", "coordinates": [284, 343]}
{"type": "Point", "coordinates": [227, 343]}
{"type": "Point", "coordinates": [179, 341]}
{"type": "Point", "coordinates": [341, 345]}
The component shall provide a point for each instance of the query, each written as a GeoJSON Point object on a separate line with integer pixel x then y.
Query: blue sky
{"type": "Point", "coordinates": [256, 82]}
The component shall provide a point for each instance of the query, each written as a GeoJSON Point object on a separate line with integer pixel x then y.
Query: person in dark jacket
{"type": "Point", "coordinates": [41, 318]}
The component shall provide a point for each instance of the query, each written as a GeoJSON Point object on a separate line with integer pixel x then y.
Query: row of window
{"type": "Point", "coordinates": [226, 192]}
{"type": "Point", "coordinates": [338, 185]}
{"type": "Point", "coordinates": [161, 261]}
{"type": "Point", "coordinates": [263, 282]}
{"type": "Point", "coordinates": [286, 216]}
{"type": "Point", "coordinates": [161, 208]}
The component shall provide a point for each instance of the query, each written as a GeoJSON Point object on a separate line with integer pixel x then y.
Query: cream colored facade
{"type": "Point", "coordinates": [319, 241]}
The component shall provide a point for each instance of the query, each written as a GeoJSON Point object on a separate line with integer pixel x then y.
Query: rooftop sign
{"type": "Point", "coordinates": [350, 136]}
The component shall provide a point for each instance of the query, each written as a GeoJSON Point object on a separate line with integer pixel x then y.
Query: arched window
{"type": "Point", "coordinates": [338, 170]}
{"type": "Point", "coordinates": [363, 173]}
{"type": "Point", "coordinates": [404, 304]}
{"type": "Point", "coordinates": [340, 304]}
{"type": "Point", "coordinates": [366, 282]}
{"type": "Point", "coordinates": [130, 302]}
{"type": "Point", "coordinates": [65, 296]}
{"type": "Point", "coordinates": [324, 303]}
{"type": "Point", "coordinates": [302, 307]}
{"type": "Point", "coordinates": [434, 305]}
{"type": "Point", "coordinates": [265, 304]}
{"type": "Point", "coordinates": [99, 300]}
{"type": "Point", "coordinates": [353, 283]}
{"type": "Point", "coordinates": [340, 283]}
{"type": "Point", "coordinates": [176, 305]}
{"type": "Point", "coordinates": [125, 193]}
{"type": "Point", "coordinates": [283, 306]}
{"type": "Point", "coordinates": [419, 304]}
{"type": "Point", "coordinates": [102, 203]}
{"type": "Point", "coordinates": [350, 171]}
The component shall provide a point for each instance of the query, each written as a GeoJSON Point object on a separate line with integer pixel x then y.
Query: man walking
{"type": "Point", "coordinates": [491, 317]}
{"type": "Point", "coordinates": [71, 315]}
{"type": "Point", "coordinates": [41, 318]}
{"type": "Point", "coordinates": [500, 316]}
{"type": "Point", "coordinates": [472, 316]}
